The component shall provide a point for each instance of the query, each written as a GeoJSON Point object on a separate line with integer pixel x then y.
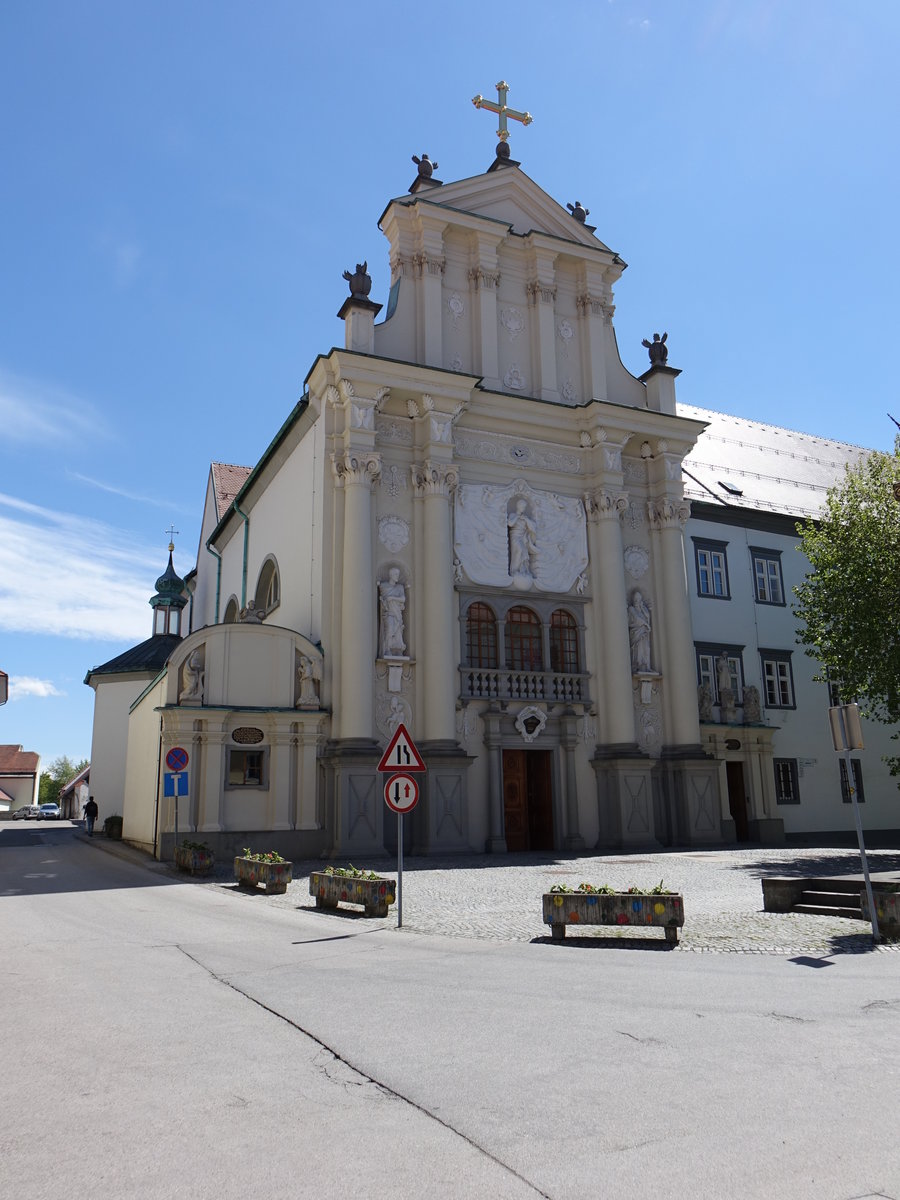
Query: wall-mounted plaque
{"type": "Point", "coordinates": [246, 735]}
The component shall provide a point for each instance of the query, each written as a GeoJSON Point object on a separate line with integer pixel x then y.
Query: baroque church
{"type": "Point", "coordinates": [473, 523]}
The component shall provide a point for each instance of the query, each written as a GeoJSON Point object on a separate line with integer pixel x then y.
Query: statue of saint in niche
{"type": "Point", "coordinates": [391, 604]}
{"type": "Point", "coordinates": [522, 541]}
{"type": "Point", "coordinates": [639, 633]}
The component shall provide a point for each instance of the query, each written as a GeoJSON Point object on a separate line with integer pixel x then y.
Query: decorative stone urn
{"type": "Point", "coordinates": [274, 876]}
{"type": "Point", "coordinates": [562, 909]}
{"type": "Point", "coordinates": [194, 859]}
{"type": "Point", "coordinates": [375, 895]}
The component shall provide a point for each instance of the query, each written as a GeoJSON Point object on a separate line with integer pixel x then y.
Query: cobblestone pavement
{"type": "Point", "coordinates": [498, 898]}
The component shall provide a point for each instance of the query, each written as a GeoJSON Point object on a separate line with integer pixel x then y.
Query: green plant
{"type": "Point", "coordinates": [604, 889]}
{"type": "Point", "coordinates": [201, 847]}
{"type": "Point", "coordinates": [264, 856]}
{"type": "Point", "coordinates": [350, 872]}
{"type": "Point", "coordinates": [112, 826]}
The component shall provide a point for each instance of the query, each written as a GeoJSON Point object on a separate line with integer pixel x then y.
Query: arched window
{"type": "Point", "coordinates": [564, 643]}
{"type": "Point", "coordinates": [481, 636]}
{"type": "Point", "coordinates": [523, 640]}
{"type": "Point", "coordinates": [231, 612]}
{"type": "Point", "coordinates": [268, 587]}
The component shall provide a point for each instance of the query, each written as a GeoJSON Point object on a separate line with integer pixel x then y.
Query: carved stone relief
{"type": "Point", "coordinates": [393, 480]}
{"type": "Point", "coordinates": [193, 674]}
{"type": "Point", "coordinates": [637, 561]}
{"type": "Point", "coordinates": [513, 378]}
{"type": "Point", "coordinates": [393, 532]}
{"type": "Point", "coordinates": [513, 321]}
{"type": "Point", "coordinates": [457, 307]}
{"type": "Point", "coordinates": [500, 449]}
{"type": "Point", "coordinates": [391, 710]}
{"type": "Point", "coordinates": [519, 536]}
{"type": "Point", "coordinates": [531, 722]}
{"type": "Point", "coordinates": [389, 430]}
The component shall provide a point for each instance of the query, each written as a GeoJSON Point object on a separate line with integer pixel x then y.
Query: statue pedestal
{"type": "Point", "coordinates": [645, 680]}
{"type": "Point", "coordinates": [397, 669]}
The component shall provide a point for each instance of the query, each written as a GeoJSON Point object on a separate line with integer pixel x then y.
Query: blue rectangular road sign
{"type": "Point", "coordinates": [173, 778]}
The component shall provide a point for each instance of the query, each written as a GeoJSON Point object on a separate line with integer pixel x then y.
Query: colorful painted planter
{"type": "Point", "coordinates": [375, 895]}
{"type": "Point", "coordinates": [562, 909]}
{"type": "Point", "coordinates": [197, 862]}
{"type": "Point", "coordinates": [887, 907]}
{"type": "Point", "coordinates": [250, 872]}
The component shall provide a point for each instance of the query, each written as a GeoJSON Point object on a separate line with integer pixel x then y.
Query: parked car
{"type": "Point", "coordinates": [26, 813]}
{"type": "Point", "coordinates": [48, 812]}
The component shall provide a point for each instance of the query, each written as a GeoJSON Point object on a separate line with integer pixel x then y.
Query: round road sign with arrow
{"type": "Point", "coordinates": [401, 793]}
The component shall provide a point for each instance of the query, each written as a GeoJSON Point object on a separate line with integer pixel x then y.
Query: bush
{"type": "Point", "coordinates": [112, 826]}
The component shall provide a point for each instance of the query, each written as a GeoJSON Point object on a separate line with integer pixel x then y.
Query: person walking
{"type": "Point", "coordinates": [90, 815]}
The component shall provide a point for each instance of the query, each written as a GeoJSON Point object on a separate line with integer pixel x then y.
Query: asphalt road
{"type": "Point", "coordinates": [166, 1039]}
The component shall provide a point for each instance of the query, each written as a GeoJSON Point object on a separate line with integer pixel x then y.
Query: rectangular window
{"type": "Point", "coordinates": [767, 576]}
{"type": "Point", "coordinates": [712, 569]}
{"type": "Point", "coordinates": [708, 674]}
{"type": "Point", "coordinates": [787, 790]}
{"type": "Point", "coordinates": [857, 781]}
{"type": "Point", "coordinates": [246, 768]}
{"type": "Point", "coordinates": [777, 678]}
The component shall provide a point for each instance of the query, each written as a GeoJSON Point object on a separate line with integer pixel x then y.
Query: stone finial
{"type": "Point", "coordinates": [360, 281]}
{"type": "Point", "coordinates": [578, 211]}
{"type": "Point", "coordinates": [657, 349]}
{"type": "Point", "coordinates": [426, 167]}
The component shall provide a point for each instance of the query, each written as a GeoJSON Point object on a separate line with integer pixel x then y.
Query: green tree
{"type": "Point", "coordinates": [849, 603]}
{"type": "Point", "coordinates": [57, 775]}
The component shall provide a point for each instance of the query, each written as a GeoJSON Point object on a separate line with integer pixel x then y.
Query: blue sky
{"type": "Point", "coordinates": [182, 185]}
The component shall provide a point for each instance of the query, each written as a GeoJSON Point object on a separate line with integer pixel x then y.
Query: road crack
{"type": "Point", "coordinates": [384, 1088]}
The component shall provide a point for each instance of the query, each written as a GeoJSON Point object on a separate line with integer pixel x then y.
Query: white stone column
{"type": "Point", "coordinates": [434, 485]}
{"type": "Point", "coordinates": [356, 472]}
{"type": "Point", "coordinates": [615, 707]}
{"type": "Point", "coordinates": [667, 518]}
{"type": "Point", "coordinates": [595, 309]}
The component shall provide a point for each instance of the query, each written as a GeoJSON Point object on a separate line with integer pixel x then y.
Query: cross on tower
{"type": "Point", "coordinates": [503, 111]}
{"type": "Point", "coordinates": [171, 531]}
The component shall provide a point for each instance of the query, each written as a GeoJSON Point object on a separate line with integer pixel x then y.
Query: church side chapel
{"type": "Point", "coordinates": [437, 536]}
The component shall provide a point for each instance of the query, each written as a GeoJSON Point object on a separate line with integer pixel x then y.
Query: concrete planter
{"type": "Point", "coordinates": [563, 909]}
{"type": "Point", "coordinates": [275, 877]}
{"type": "Point", "coordinates": [197, 862]}
{"type": "Point", "coordinates": [375, 895]}
{"type": "Point", "coordinates": [887, 908]}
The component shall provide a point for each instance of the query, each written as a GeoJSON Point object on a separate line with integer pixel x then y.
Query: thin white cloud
{"type": "Point", "coordinates": [37, 413]}
{"type": "Point", "coordinates": [72, 576]}
{"type": "Point", "coordinates": [115, 491]}
{"type": "Point", "coordinates": [124, 257]}
{"type": "Point", "coordinates": [21, 686]}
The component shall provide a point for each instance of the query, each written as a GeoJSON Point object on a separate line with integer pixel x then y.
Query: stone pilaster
{"type": "Point", "coordinates": [568, 727]}
{"type": "Point", "coordinates": [615, 706]}
{"type": "Point", "coordinates": [496, 840]}
{"type": "Point", "coordinates": [484, 279]}
{"type": "Point", "coordinates": [356, 472]}
{"type": "Point", "coordinates": [434, 484]}
{"type": "Point", "coordinates": [667, 519]}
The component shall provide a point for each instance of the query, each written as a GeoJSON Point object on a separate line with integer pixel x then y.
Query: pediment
{"type": "Point", "coordinates": [508, 195]}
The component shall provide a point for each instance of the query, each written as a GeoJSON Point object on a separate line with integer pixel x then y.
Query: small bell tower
{"type": "Point", "coordinates": [170, 597]}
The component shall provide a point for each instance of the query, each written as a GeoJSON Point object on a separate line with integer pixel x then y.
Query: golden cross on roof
{"type": "Point", "coordinates": [503, 110]}
{"type": "Point", "coordinates": [171, 531]}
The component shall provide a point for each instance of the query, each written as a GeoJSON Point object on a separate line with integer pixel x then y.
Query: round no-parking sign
{"type": "Point", "coordinates": [177, 759]}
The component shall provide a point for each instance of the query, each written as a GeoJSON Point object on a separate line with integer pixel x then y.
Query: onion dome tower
{"type": "Point", "coordinates": [169, 600]}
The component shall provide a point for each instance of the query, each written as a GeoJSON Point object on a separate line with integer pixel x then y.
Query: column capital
{"type": "Point", "coordinates": [602, 505]}
{"type": "Point", "coordinates": [668, 512]}
{"type": "Point", "coordinates": [434, 479]}
{"type": "Point", "coordinates": [356, 468]}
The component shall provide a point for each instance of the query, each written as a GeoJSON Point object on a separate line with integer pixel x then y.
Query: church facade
{"type": "Point", "coordinates": [473, 523]}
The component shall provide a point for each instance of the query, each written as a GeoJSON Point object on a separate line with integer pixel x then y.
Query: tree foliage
{"type": "Point", "coordinates": [57, 775]}
{"type": "Point", "coordinates": [849, 602]}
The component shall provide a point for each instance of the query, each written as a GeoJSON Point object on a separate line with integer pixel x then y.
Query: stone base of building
{"type": "Point", "coordinates": [292, 844]}
{"type": "Point", "coordinates": [625, 802]}
{"type": "Point", "coordinates": [687, 798]}
{"type": "Point", "coordinates": [768, 830]}
{"type": "Point", "coordinates": [440, 823]}
{"type": "Point", "coordinates": [354, 800]}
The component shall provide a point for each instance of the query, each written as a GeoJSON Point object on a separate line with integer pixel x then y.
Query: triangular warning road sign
{"type": "Point", "coordinates": [401, 754]}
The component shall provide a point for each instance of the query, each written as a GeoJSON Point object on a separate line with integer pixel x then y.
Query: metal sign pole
{"type": "Point", "coordinates": [399, 870]}
{"type": "Point", "coordinates": [851, 786]}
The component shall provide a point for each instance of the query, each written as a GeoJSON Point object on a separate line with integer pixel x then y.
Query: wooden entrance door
{"type": "Point", "coordinates": [737, 799]}
{"type": "Point", "coordinates": [527, 800]}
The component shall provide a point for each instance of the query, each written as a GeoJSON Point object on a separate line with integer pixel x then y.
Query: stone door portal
{"type": "Point", "coordinates": [527, 800]}
{"type": "Point", "coordinates": [737, 800]}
